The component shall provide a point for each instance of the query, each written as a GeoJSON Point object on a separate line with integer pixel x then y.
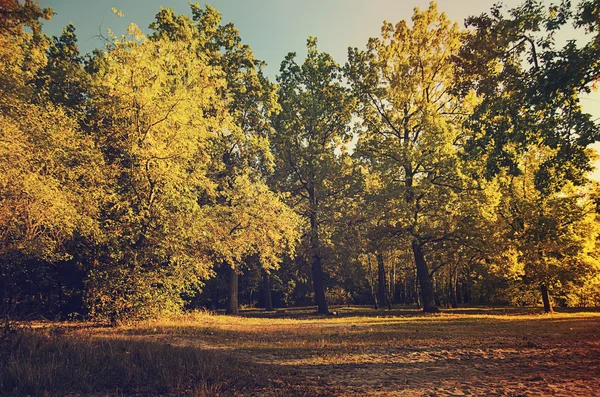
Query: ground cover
{"type": "Point", "coordinates": [358, 351]}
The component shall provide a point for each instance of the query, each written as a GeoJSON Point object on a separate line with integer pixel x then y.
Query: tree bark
{"type": "Point", "coordinates": [546, 299]}
{"type": "Point", "coordinates": [453, 288]}
{"type": "Point", "coordinates": [317, 265]}
{"type": "Point", "coordinates": [392, 295]}
{"type": "Point", "coordinates": [372, 283]}
{"type": "Point", "coordinates": [232, 286]}
{"type": "Point", "coordinates": [267, 291]}
{"type": "Point", "coordinates": [381, 281]}
{"type": "Point", "coordinates": [427, 296]}
{"type": "Point", "coordinates": [318, 284]}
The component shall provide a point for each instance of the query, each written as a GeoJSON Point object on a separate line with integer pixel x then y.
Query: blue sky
{"type": "Point", "coordinates": [271, 27]}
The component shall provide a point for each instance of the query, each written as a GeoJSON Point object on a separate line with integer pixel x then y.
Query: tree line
{"type": "Point", "coordinates": [438, 166]}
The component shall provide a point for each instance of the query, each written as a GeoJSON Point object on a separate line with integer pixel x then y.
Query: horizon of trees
{"type": "Point", "coordinates": [439, 166]}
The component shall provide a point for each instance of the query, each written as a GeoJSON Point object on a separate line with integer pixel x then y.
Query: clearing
{"type": "Point", "coordinates": [359, 351]}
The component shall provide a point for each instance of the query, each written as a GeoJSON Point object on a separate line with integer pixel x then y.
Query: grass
{"type": "Point", "coordinates": [50, 360]}
{"type": "Point", "coordinates": [359, 351]}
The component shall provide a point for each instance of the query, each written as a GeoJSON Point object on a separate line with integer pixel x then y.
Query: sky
{"type": "Point", "coordinates": [274, 28]}
{"type": "Point", "coordinates": [271, 27]}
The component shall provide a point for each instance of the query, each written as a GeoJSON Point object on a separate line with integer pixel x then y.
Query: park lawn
{"type": "Point", "coordinates": [358, 351]}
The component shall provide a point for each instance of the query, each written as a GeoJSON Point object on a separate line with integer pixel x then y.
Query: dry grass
{"type": "Point", "coordinates": [358, 352]}
{"type": "Point", "coordinates": [73, 360]}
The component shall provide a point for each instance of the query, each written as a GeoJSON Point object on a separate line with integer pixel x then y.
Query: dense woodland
{"type": "Point", "coordinates": [439, 166]}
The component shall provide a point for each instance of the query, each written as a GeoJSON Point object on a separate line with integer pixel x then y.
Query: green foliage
{"type": "Point", "coordinates": [129, 177]}
{"type": "Point", "coordinates": [311, 160]}
{"type": "Point", "coordinates": [529, 89]}
{"type": "Point", "coordinates": [51, 171]}
{"type": "Point", "coordinates": [63, 80]}
{"type": "Point", "coordinates": [555, 236]}
{"type": "Point", "coordinates": [411, 133]}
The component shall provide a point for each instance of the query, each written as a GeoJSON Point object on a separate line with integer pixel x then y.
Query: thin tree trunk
{"type": "Point", "coordinates": [405, 297]}
{"type": "Point", "coordinates": [381, 281]}
{"type": "Point", "coordinates": [424, 279]}
{"type": "Point", "coordinates": [267, 291]}
{"type": "Point", "coordinates": [546, 299]}
{"type": "Point", "coordinates": [232, 296]}
{"type": "Point", "coordinates": [448, 292]}
{"type": "Point", "coordinates": [393, 284]}
{"type": "Point", "coordinates": [453, 287]}
{"type": "Point", "coordinates": [372, 282]}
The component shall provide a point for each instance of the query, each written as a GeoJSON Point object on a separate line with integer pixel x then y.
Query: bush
{"type": "Point", "coordinates": [338, 296]}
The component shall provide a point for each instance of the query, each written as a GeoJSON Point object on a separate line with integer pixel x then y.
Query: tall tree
{"type": "Point", "coordinates": [155, 114]}
{"type": "Point", "coordinates": [412, 130]}
{"type": "Point", "coordinates": [250, 98]}
{"type": "Point", "coordinates": [309, 146]}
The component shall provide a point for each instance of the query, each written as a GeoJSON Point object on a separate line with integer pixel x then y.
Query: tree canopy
{"type": "Point", "coordinates": [438, 166]}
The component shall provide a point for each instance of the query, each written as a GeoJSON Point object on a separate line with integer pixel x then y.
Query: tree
{"type": "Point", "coordinates": [50, 168]}
{"type": "Point", "coordinates": [156, 114]}
{"type": "Point", "coordinates": [412, 131]}
{"type": "Point", "coordinates": [555, 235]}
{"type": "Point", "coordinates": [529, 90]}
{"type": "Point", "coordinates": [244, 150]}
{"type": "Point", "coordinates": [63, 79]}
{"type": "Point", "coordinates": [311, 162]}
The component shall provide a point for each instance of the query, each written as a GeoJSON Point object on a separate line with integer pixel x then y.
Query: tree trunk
{"type": "Point", "coordinates": [317, 265]}
{"type": "Point", "coordinates": [393, 298]}
{"type": "Point", "coordinates": [372, 282]}
{"type": "Point", "coordinates": [317, 273]}
{"type": "Point", "coordinates": [448, 293]}
{"type": "Point", "coordinates": [417, 292]}
{"type": "Point", "coordinates": [267, 291]}
{"type": "Point", "coordinates": [453, 288]}
{"type": "Point", "coordinates": [546, 299]}
{"type": "Point", "coordinates": [232, 296]}
{"type": "Point", "coordinates": [381, 281]}
{"type": "Point", "coordinates": [427, 296]}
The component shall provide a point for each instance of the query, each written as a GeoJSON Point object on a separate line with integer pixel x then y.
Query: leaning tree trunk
{"type": "Point", "coordinates": [382, 295]}
{"type": "Point", "coordinates": [427, 296]}
{"type": "Point", "coordinates": [546, 299]}
{"type": "Point", "coordinates": [267, 291]}
{"type": "Point", "coordinates": [232, 286]}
